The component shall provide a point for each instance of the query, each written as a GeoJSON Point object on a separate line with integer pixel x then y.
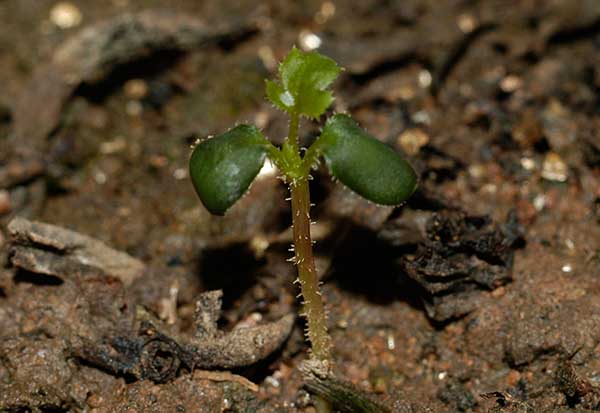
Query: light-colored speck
{"type": "Point", "coordinates": [511, 83]}
{"type": "Point", "coordinates": [309, 41]}
{"type": "Point", "coordinates": [554, 168]}
{"type": "Point", "coordinates": [325, 13]}
{"type": "Point", "coordinates": [266, 55]}
{"type": "Point", "coordinates": [425, 78]}
{"type": "Point", "coordinates": [391, 342]}
{"type": "Point", "coordinates": [135, 89]}
{"type": "Point", "coordinates": [65, 15]}
{"type": "Point", "coordinates": [180, 173]}
{"type": "Point", "coordinates": [539, 202]}
{"type": "Point", "coordinates": [272, 381]}
{"type": "Point", "coordinates": [570, 244]}
{"type": "Point", "coordinates": [466, 22]}
{"type": "Point", "coordinates": [114, 146]}
{"type": "Point", "coordinates": [421, 117]}
{"type": "Point", "coordinates": [134, 108]}
{"type": "Point", "coordinates": [412, 140]}
{"type": "Point", "coordinates": [528, 164]}
{"type": "Point", "coordinates": [100, 177]}
{"type": "Point", "coordinates": [567, 268]}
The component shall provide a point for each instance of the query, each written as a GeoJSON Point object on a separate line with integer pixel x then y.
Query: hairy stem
{"type": "Point", "coordinates": [293, 132]}
{"type": "Point", "coordinates": [307, 276]}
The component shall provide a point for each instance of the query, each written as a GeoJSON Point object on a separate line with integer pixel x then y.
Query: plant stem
{"type": "Point", "coordinates": [297, 173]}
{"type": "Point", "coordinates": [314, 309]}
{"type": "Point", "coordinates": [293, 132]}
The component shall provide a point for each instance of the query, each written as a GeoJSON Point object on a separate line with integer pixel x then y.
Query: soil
{"type": "Point", "coordinates": [481, 294]}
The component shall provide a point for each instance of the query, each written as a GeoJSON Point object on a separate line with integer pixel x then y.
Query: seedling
{"type": "Point", "coordinates": [222, 168]}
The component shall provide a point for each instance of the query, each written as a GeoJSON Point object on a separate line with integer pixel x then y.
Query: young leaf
{"type": "Point", "coordinates": [304, 78]}
{"type": "Point", "coordinates": [364, 164]}
{"type": "Point", "coordinates": [222, 168]}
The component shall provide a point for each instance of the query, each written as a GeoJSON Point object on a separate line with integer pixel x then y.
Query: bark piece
{"type": "Point", "coordinates": [320, 380]}
{"type": "Point", "coordinates": [460, 256]}
{"type": "Point", "coordinates": [155, 354]}
{"type": "Point", "coordinates": [51, 250]}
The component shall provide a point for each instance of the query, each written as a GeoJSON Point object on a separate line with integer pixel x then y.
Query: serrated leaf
{"type": "Point", "coordinates": [304, 79]}
{"type": "Point", "coordinates": [222, 168]}
{"type": "Point", "coordinates": [365, 165]}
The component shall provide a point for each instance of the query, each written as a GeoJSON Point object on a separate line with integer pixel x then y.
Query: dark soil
{"type": "Point", "coordinates": [481, 294]}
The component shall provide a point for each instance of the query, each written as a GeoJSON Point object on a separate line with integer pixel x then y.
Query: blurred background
{"type": "Point", "coordinates": [495, 102]}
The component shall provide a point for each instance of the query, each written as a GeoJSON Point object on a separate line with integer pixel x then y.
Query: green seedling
{"type": "Point", "coordinates": [223, 168]}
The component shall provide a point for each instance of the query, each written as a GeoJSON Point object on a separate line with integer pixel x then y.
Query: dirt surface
{"type": "Point", "coordinates": [481, 294]}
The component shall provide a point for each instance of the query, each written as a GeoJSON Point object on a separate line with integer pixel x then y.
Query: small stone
{"type": "Point", "coordinates": [65, 15]}
{"type": "Point", "coordinates": [158, 161]}
{"type": "Point", "coordinates": [528, 164]}
{"type": "Point", "coordinates": [309, 41]}
{"type": "Point", "coordinates": [135, 89]}
{"type": "Point", "coordinates": [424, 78]}
{"type": "Point", "coordinates": [412, 140]}
{"type": "Point", "coordinates": [266, 55]}
{"type": "Point", "coordinates": [5, 206]}
{"type": "Point", "coordinates": [466, 23]}
{"type": "Point", "coordinates": [539, 202]}
{"type": "Point", "coordinates": [511, 83]}
{"type": "Point", "coordinates": [114, 146]}
{"type": "Point", "coordinates": [325, 13]}
{"type": "Point", "coordinates": [477, 171]}
{"type": "Point", "coordinates": [134, 108]}
{"type": "Point", "coordinates": [554, 168]}
{"type": "Point", "coordinates": [498, 292]}
{"type": "Point", "coordinates": [180, 173]}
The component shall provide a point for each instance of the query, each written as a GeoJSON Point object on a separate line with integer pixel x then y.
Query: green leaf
{"type": "Point", "coordinates": [365, 165]}
{"type": "Point", "coordinates": [304, 79]}
{"type": "Point", "coordinates": [222, 168]}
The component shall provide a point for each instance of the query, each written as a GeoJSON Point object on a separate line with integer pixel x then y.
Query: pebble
{"type": "Point", "coordinates": [325, 13]}
{"type": "Point", "coordinates": [539, 202]}
{"type": "Point", "coordinates": [266, 55]}
{"type": "Point", "coordinates": [65, 15]}
{"type": "Point", "coordinates": [554, 168]}
{"type": "Point", "coordinates": [412, 140]}
{"type": "Point", "coordinates": [424, 78]}
{"type": "Point", "coordinates": [180, 173]}
{"type": "Point", "coordinates": [308, 40]}
{"type": "Point", "coordinates": [135, 89]}
{"type": "Point", "coordinates": [114, 146]}
{"type": "Point", "coordinates": [134, 108]}
{"type": "Point", "coordinates": [511, 83]}
{"type": "Point", "coordinates": [528, 164]}
{"type": "Point", "coordinates": [466, 23]}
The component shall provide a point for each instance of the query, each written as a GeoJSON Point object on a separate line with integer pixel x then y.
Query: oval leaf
{"type": "Point", "coordinates": [364, 164]}
{"type": "Point", "coordinates": [222, 168]}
